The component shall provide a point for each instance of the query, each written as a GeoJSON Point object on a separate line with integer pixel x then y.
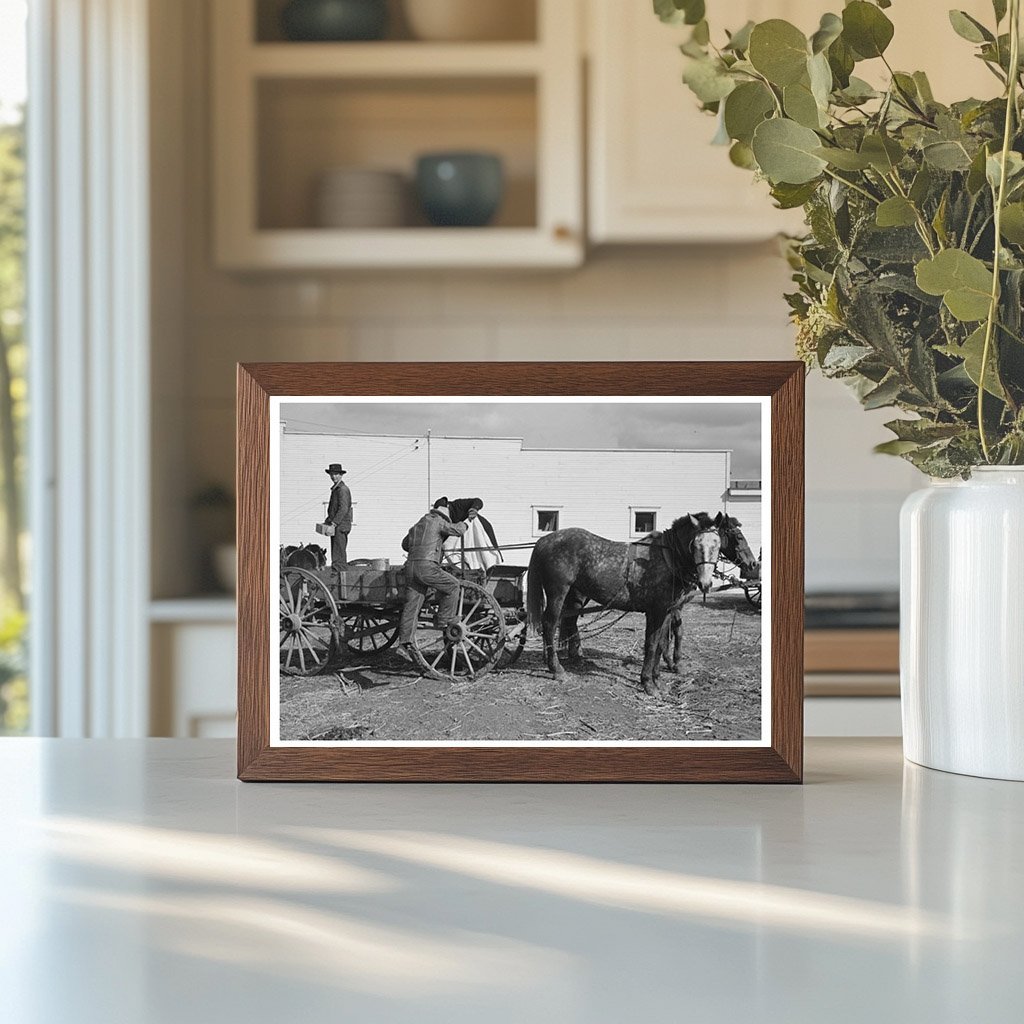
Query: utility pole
{"type": "Point", "coordinates": [430, 499]}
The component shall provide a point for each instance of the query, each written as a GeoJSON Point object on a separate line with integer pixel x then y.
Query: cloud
{"type": "Point", "coordinates": [734, 425]}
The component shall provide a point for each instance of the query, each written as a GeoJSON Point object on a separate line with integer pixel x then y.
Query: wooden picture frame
{"type": "Point", "coordinates": [778, 759]}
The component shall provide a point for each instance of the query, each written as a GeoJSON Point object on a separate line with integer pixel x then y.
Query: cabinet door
{"type": "Point", "coordinates": [654, 175]}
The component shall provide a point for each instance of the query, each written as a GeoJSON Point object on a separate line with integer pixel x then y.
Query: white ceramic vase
{"type": "Point", "coordinates": [962, 624]}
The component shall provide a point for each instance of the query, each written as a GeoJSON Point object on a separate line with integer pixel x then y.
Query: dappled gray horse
{"type": "Point", "coordinates": [653, 575]}
{"type": "Point", "coordinates": [735, 549]}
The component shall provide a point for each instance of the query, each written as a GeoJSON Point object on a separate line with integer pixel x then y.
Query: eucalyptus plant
{"type": "Point", "coordinates": [910, 278]}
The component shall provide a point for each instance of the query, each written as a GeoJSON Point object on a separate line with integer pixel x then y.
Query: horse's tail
{"type": "Point", "coordinates": [534, 595]}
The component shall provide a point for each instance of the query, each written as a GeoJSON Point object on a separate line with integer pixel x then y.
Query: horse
{"type": "Point", "coordinates": [735, 549]}
{"type": "Point", "coordinates": [653, 575]}
{"type": "Point", "coordinates": [304, 556]}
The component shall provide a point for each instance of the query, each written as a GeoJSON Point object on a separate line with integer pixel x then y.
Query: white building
{"type": "Point", "coordinates": [526, 492]}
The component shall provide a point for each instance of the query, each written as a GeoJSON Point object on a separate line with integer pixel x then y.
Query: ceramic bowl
{"type": "Point", "coordinates": [460, 189]}
{"type": "Point", "coordinates": [358, 197]}
{"type": "Point", "coordinates": [334, 20]}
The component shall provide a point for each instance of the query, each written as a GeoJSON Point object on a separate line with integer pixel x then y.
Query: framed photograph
{"type": "Point", "coordinates": [520, 572]}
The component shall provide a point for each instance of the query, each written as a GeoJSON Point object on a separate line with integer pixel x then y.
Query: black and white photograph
{"type": "Point", "coordinates": [520, 571]}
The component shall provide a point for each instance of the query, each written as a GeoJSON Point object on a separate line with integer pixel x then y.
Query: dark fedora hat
{"type": "Point", "coordinates": [335, 467]}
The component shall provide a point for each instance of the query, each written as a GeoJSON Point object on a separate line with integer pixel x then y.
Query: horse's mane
{"type": "Point", "coordinates": [683, 524]}
{"type": "Point", "coordinates": [678, 536]}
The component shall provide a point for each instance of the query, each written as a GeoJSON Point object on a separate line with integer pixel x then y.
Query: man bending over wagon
{"type": "Point", "coordinates": [424, 543]}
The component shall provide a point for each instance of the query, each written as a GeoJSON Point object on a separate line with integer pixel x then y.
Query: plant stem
{"type": "Point", "coordinates": [855, 187]}
{"type": "Point", "coordinates": [993, 309]}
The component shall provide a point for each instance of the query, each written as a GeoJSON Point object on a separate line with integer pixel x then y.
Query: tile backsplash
{"type": "Point", "coordinates": [717, 302]}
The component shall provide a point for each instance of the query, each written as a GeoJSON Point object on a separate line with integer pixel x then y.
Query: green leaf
{"type": "Point", "coordinates": [708, 80]}
{"type": "Point", "coordinates": [841, 60]}
{"type": "Point", "coordinates": [742, 155]}
{"type": "Point", "coordinates": [785, 152]}
{"type": "Point", "coordinates": [971, 352]}
{"type": "Point", "coordinates": [939, 220]}
{"type": "Point", "coordinates": [885, 394]}
{"type": "Point", "coordinates": [895, 447]}
{"type": "Point", "coordinates": [963, 281]}
{"type": "Point", "coordinates": [883, 153]}
{"type": "Point", "coordinates": [1012, 224]}
{"type": "Point", "coordinates": [829, 30]}
{"type": "Point", "coordinates": [866, 29]}
{"type": "Point", "coordinates": [976, 173]}
{"type": "Point", "coordinates": [999, 7]}
{"type": "Point", "coordinates": [923, 431]}
{"type": "Point", "coordinates": [921, 185]}
{"type": "Point", "coordinates": [800, 105]}
{"type": "Point", "coordinates": [896, 212]}
{"type": "Point", "coordinates": [745, 108]}
{"type": "Point", "coordinates": [820, 76]}
{"type": "Point", "coordinates": [924, 88]}
{"type": "Point", "coordinates": [676, 12]}
{"type": "Point", "coordinates": [739, 41]}
{"type": "Point", "coordinates": [994, 167]}
{"type": "Point", "coordinates": [946, 156]}
{"type": "Point", "coordinates": [789, 197]}
{"type": "Point", "coordinates": [778, 50]}
{"type": "Point", "coordinates": [844, 159]}
{"type": "Point", "coordinates": [969, 28]}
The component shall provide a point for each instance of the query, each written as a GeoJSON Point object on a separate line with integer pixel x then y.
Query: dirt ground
{"type": "Point", "coordinates": [716, 694]}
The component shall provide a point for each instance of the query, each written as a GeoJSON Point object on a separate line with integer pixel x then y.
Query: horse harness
{"type": "Point", "coordinates": [670, 554]}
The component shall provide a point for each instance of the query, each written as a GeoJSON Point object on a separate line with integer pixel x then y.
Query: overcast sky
{"type": "Point", "coordinates": [736, 426]}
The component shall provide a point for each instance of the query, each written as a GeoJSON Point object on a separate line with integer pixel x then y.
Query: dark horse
{"type": "Point", "coordinates": [304, 556]}
{"type": "Point", "coordinates": [735, 549]}
{"type": "Point", "coordinates": [653, 575]}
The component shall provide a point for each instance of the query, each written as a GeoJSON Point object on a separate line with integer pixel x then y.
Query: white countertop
{"type": "Point", "coordinates": [143, 885]}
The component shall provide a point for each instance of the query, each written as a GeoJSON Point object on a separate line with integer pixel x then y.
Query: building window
{"type": "Point", "coordinates": [643, 519]}
{"type": "Point", "coordinates": [547, 520]}
{"type": "Point", "coordinates": [645, 522]}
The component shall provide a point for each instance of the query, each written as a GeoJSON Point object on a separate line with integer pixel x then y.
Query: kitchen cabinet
{"type": "Point", "coordinates": [653, 175]}
{"type": "Point", "coordinates": [287, 113]}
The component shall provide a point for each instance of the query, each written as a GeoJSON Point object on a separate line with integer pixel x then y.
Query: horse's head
{"type": "Point", "coordinates": [736, 548]}
{"type": "Point", "coordinates": [697, 541]}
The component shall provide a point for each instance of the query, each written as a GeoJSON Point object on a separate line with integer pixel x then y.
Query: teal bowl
{"type": "Point", "coordinates": [460, 190]}
{"type": "Point", "coordinates": [334, 21]}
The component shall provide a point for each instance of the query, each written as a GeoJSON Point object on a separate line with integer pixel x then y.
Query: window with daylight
{"type": "Point", "coordinates": [546, 520]}
{"type": "Point", "coordinates": [14, 706]}
{"type": "Point", "coordinates": [644, 522]}
{"type": "Point", "coordinates": [643, 519]}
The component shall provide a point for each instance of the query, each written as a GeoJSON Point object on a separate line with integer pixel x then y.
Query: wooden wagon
{"type": "Point", "coordinates": [331, 618]}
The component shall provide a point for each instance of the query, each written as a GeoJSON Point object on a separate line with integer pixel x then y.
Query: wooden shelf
{"type": "Point", "coordinates": [310, 248]}
{"type": "Point", "coordinates": [393, 60]}
{"type": "Point", "coordinates": [284, 113]}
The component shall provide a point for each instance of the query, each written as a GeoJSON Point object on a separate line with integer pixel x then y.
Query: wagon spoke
{"type": "Point", "coordinates": [469, 664]}
{"type": "Point", "coordinates": [437, 658]}
{"type": "Point", "coordinates": [470, 643]}
{"type": "Point", "coordinates": [455, 651]}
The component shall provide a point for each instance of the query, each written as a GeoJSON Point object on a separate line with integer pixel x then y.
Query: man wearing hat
{"type": "Point", "coordinates": [339, 515]}
{"type": "Point", "coordinates": [423, 571]}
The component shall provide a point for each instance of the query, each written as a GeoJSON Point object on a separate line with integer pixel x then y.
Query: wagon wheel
{"type": "Point", "coordinates": [753, 595]}
{"type": "Point", "coordinates": [309, 623]}
{"type": "Point", "coordinates": [369, 631]}
{"type": "Point", "coordinates": [468, 647]}
{"type": "Point", "coordinates": [515, 638]}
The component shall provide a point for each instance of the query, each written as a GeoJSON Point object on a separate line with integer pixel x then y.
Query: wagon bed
{"type": "Point", "coordinates": [336, 618]}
